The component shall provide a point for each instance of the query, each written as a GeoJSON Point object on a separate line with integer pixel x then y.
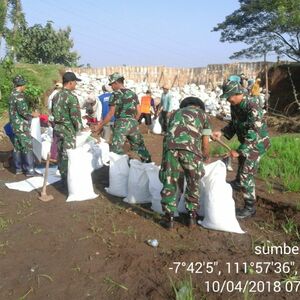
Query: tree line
{"type": "Point", "coordinates": [34, 44]}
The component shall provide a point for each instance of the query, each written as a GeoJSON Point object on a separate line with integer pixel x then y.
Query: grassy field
{"type": "Point", "coordinates": [41, 76]}
{"type": "Point", "coordinates": [281, 163]}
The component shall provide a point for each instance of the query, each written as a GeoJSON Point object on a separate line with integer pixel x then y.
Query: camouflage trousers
{"type": "Point", "coordinates": [129, 129]}
{"type": "Point", "coordinates": [247, 169]}
{"type": "Point", "coordinates": [64, 142]}
{"type": "Point", "coordinates": [23, 142]}
{"type": "Point", "coordinates": [173, 162]}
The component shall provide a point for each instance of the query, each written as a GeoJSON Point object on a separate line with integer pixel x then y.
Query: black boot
{"type": "Point", "coordinates": [28, 161]}
{"type": "Point", "coordinates": [17, 156]}
{"type": "Point", "coordinates": [235, 184]}
{"type": "Point", "coordinates": [248, 210]}
{"type": "Point", "coordinates": [192, 221]}
{"type": "Point", "coordinates": [63, 185]}
{"type": "Point", "coordinates": [168, 221]}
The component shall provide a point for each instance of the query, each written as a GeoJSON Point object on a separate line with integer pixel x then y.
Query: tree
{"type": "Point", "coordinates": [3, 16]}
{"type": "Point", "coordinates": [17, 18]}
{"type": "Point", "coordinates": [11, 10]}
{"type": "Point", "coordinates": [40, 44]}
{"type": "Point", "coordinates": [265, 26]}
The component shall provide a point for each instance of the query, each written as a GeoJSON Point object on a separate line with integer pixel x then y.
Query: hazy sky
{"type": "Point", "coordinates": [173, 33]}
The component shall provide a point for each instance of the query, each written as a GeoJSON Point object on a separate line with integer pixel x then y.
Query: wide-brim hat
{"type": "Point", "coordinates": [19, 80]}
{"type": "Point", "coordinates": [232, 88]}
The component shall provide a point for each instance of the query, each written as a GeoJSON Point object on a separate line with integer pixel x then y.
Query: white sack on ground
{"type": "Point", "coordinates": [219, 206]}
{"type": "Point", "coordinates": [138, 183]}
{"type": "Point", "coordinates": [155, 187]}
{"type": "Point", "coordinates": [35, 182]}
{"type": "Point", "coordinates": [118, 175]}
{"type": "Point", "coordinates": [80, 183]}
{"type": "Point", "coordinates": [156, 126]}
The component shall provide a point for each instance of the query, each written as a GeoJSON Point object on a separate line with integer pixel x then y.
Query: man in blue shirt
{"type": "Point", "coordinates": [104, 99]}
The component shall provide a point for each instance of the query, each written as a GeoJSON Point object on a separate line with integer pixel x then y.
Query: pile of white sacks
{"type": "Point", "coordinates": [139, 183]}
{"type": "Point", "coordinates": [91, 87]}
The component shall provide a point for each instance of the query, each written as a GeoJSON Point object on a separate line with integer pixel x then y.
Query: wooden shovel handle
{"type": "Point", "coordinates": [223, 144]}
{"type": "Point", "coordinates": [46, 174]}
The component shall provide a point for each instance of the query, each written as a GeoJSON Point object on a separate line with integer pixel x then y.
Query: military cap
{"type": "Point", "coordinates": [231, 88]}
{"type": "Point", "coordinates": [19, 80]}
{"type": "Point", "coordinates": [114, 77]}
{"type": "Point", "coordinates": [70, 76]}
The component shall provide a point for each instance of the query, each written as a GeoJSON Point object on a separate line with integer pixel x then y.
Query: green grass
{"type": "Point", "coordinates": [281, 163]}
{"type": "Point", "coordinates": [4, 223]}
{"type": "Point", "coordinates": [183, 290]}
{"type": "Point", "coordinates": [41, 76]}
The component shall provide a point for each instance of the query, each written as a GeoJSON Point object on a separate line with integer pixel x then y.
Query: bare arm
{"type": "Point", "coordinates": [205, 147]}
{"type": "Point", "coordinates": [138, 108]}
{"type": "Point", "coordinates": [97, 128]}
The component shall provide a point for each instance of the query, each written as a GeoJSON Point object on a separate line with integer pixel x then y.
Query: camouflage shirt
{"type": "Point", "coordinates": [19, 114]}
{"type": "Point", "coordinates": [248, 124]}
{"type": "Point", "coordinates": [66, 112]}
{"type": "Point", "coordinates": [125, 102]}
{"type": "Point", "coordinates": [186, 128]}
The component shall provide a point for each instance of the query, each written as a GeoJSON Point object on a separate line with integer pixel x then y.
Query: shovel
{"type": "Point", "coordinates": [226, 158]}
{"type": "Point", "coordinates": [223, 144]}
{"type": "Point", "coordinates": [44, 197]}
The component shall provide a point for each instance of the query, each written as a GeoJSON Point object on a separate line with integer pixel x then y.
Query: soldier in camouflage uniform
{"type": "Point", "coordinates": [124, 105]}
{"type": "Point", "coordinates": [248, 124]}
{"type": "Point", "coordinates": [67, 121]}
{"type": "Point", "coordinates": [20, 118]}
{"type": "Point", "coordinates": [186, 146]}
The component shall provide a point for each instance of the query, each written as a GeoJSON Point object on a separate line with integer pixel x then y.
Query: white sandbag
{"type": "Point", "coordinates": [100, 153]}
{"type": "Point", "coordinates": [80, 183]}
{"type": "Point", "coordinates": [138, 183]}
{"type": "Point", "coordinates": [155, 187]}
{"type": "Point", "coordinates": [104, 147]}
{"type": "Point", "coordinates": [35, 130]}
{"type": "Point", "coordinates": [219, 206]}
{"type": "Point", "coordinates": [81, 138]}
{"type": "Point", "coordinates": [46, 147]}
{"type": "Point", "coordinates": [46, 139]}
{"type": "Point", "coordinates": [118, 175]}
{"type": "Point", "coordinates": [156, 126]}
{"type": "Point", "coordinates": [98, 110]}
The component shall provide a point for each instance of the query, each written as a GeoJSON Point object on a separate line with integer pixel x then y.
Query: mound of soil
{"type": "Point", "coordinates": [284, 85]}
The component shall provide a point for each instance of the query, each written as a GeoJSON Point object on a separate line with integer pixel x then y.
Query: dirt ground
{"type": "Point", "coordinates": [97, 249]}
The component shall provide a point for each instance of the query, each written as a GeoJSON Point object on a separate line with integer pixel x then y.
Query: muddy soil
{"type": "Point", "coordinates": [97, 249]}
